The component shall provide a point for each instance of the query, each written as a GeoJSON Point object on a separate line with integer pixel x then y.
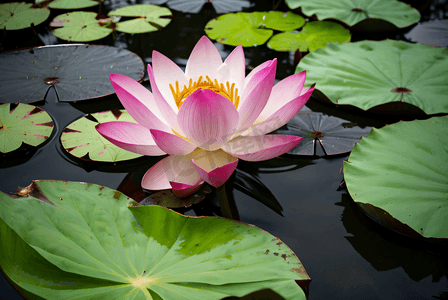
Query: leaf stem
{"type": "Point", "coordinates": [226, 204]}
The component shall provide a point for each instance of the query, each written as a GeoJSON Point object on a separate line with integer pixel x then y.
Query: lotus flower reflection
{"type": "Point", "coordinates": [206, 118]}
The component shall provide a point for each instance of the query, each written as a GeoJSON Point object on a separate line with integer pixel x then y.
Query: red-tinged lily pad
{"type": "Point", "coordinates": [58, 232]}
{"type": "Point", "coordinates": [431, 33]}
{"type": "Point", "coordinates": [314, 35]}
{"type": "Point", "coordinates": [23, 124]}
{"type": "Point", "coordinates": [251, 29]}
{"type": "Point", "coordinates": [83, 141]}
{"type": "Point", "coordinates": [399, 176]}
{"type": "Point", "coordinates": [380, 15]}
{"type": "Point", "coordinates": [168, 199]}
{"type": "Point", "coordinates": [77, 72]}
{"type": "Point", "coordinates": [81, 26]}
{"type": "Point", "coordinates": [335, 135]}
{"type": "Point", "coordinates": [149, 18]}
{"type": "Point", "coordinates": [20, 15]}
{"type": "Point", "coordinates": [384, 77]}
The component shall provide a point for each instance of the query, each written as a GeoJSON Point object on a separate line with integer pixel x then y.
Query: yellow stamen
{"type": "Point", "coordinates": [227, 90]}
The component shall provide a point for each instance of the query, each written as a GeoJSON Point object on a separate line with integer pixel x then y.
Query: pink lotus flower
{"type": "Point", "coordinates": [206, 118]}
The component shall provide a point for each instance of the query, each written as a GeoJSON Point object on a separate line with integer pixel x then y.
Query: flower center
{"type": "Point", "coordinates": [228, 90]}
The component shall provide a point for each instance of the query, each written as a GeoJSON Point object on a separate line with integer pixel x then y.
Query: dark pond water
{"type": "Point", "coordinates": [346, 254]}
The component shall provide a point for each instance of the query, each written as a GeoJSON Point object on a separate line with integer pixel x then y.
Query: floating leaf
{"type": "Point", "coordinates": [354, 11]}
{"type": "Point", "coordinates": [335, 135]}
{"type": "Point", "coordinates": [150, 18]}
{"type": "Point", "coordinates": [23, 123]}
{"type": "Point", "coordinates": [77, 72]}
{"type": "Point", "coordinates": [195, 6]}
{"type": "Point", "coordinates": [80, 26]}
{"type": "Point", "coordinates": [251, 29]}
{"type": "Point", "coordinates": [71, 4]}
{"type": "Point", "coordinates": [82, 140]}
{"type": "Point", "coordinates": [314, 35]}
{"type": "Point", "coordinates": [398, 175]}
{"type": "Point", "coordinates": [19, 15]}
{"type": "Point", "coordinates": [368, 73]}
{"type": "Point", "coordinates": [431, 33]}
{"type": "Point", "coordinates": [86, 235]}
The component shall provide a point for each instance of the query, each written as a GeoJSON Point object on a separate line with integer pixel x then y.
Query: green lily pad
{"type": "Point", "coordinates": [334, 134]}
{"type": "Point", "coordinates": [251, 29]}
{"type": "Point", "coordinates": [70, 4]}
{"type": "Point", "coordinates": [72, 240]}
{"type": "Point", "coordinates": [314, 35]}
{"type": "Point", "coordinates": [83, 141]}
{"type": "Point", "coordinates": [399, 176]}
{"type": "Point", "coordinates": [23, 123]}
{"type": "Point", "coordinates": [352, 12]}
{"type": "Point", "coordinates": [19, 15]}
{"type": "Point", "coordinates": [81, 26]}
{"type": "Point", "coordinates": [150, 18]}
{"type": "Point", "coordinates": [368, 73]}
{"type": "Point", "coordinates": [77, 72]}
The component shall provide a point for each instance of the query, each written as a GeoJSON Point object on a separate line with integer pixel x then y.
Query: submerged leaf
{"type": "Point", "coordinates": [251, 29]}
{"type": "Point", "coordinates": [398, 175]}
{"type": "Point", "coordinates": [105, 250]}
{"type": "Point", "coordinates": [23, 123]}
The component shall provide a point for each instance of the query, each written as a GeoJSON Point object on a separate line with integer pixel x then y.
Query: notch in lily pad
{"type": "Point", "coordinates": [20, 15]}
{"type": "Point", "coordinates": [105, 247]}
{"type": "Point", "coordinates": [314, 35]}
{"type": "Point", "coordinates": [26, 75]}
{"type": "Point", "coordinates": [148, 18]}
{"type": "Point", "coordinates": [23, 125]}
{"type": "Point", "coordinates": [251, 29]}
{"type": "Point", "coordinates": [370, 16]}
{"type": "Point", "coordinates": [335, 135]}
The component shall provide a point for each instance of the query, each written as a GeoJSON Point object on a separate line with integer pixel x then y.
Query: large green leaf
{"type": "Point", "coordinates": [355, 11]}
{"type": "Point", "coordinates": [368, 73]}
{"type": "Point", "coordinates": [82, 140]}
{"type": "Point", "coordinates": [251, 29]}
{"type": "Point", "coordinates": [23, 123]}
{"type": "Point", "coordinates": [399, 175]}
{"type": "Point", "coordinates": [80, 26]}
{"type": "Point", "coordinates": [314, 35]}
{"type": "Point", "coordinates": [149, 18]}
{"type": "Point", "coordinates": [19, 15]}
{"type": "Point", "coordinates": [71, 240]}
{"type": "Point", "coordinates": [77, 72]}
